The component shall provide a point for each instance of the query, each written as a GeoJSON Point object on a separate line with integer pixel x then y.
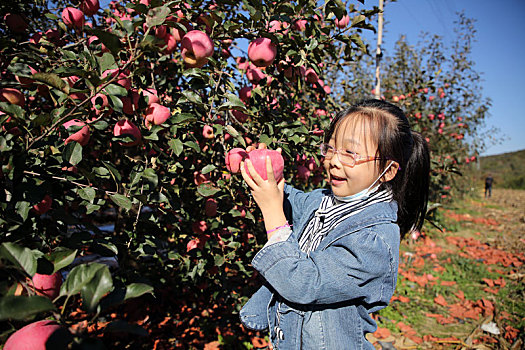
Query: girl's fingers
{"type": "Point", "coordinates": [269, 170]}
{"type": "Point", "coordinates": [262, 145]}
{"type": "Point", "coordinates": [257, 179]}
{"type": "Point", "coordinates": [246, 177]}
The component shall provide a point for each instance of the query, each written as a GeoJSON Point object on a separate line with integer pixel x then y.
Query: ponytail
{"type": "Point", "coordinates": [414, 182]}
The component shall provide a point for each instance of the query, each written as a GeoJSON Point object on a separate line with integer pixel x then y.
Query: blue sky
{"type": "Point", "coordinates": [499, 49]}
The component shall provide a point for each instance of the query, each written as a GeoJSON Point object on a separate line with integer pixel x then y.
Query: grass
{"type": "Point", "coordinates": [455, 269]}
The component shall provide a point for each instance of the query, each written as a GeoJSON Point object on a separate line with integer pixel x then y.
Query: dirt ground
{"type": "Point", "coordinates": [489, 233]}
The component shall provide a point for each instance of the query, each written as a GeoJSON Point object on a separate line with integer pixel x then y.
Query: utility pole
{"type": "Point", "coordinates": [379, 54]}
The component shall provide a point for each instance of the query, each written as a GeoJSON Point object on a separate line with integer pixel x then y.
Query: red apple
{"type": "Point", "coordinates": [343, 22]}
{"type": "Point", "coordinates": [81, 136]}
{"type": "Point", "coordinates": [40, 335]}
{"type": "Point", "coordinates": [262, 52]}
{"type": "Point", "coordinates": [240, 116]}
{"type": "Point", "coordinates": [199, 227]}
{"type": "Point", "coordinates": [303, 173]}
{"type": "Point", "coordinates": [13, 96]}
{"type": "Point", "coordinates": [245, 93]}
{"type": "Point", "coordinates": [89, 7]}
{"type": "Point", "coordinates": [171, 43]}
{"type": "Point", "coordinates": [44, 205]}
{"type": "Point", "coordinates": [210, 207]}
{"type": "Point", "coordinates": [73, 18]}
{"type": "Point", "coordinates": [47, 285]}
{"type": "Point", "coordinates": [234, 158]}
{"type": "Point", "coordinates": [258, 159]}
{"type": "Point", "coordinates": [15, 23]}
{"type": "Point", "coordinates": [197, 47]}
{"type": "Point", "coordinates": [157, 114]}
{"type": "Point", "coordinates": [300, 25]}
{"type": "Point", "coordinates": [311, 76]}
{"type": "Point", "coordinates": [254, 74]}
{"type": "Point", "coordinates": [99, 101]}
{"type": "Point", "coordinates": [126, 127]}
{"type": "Point", "coordinates": [207, 132]}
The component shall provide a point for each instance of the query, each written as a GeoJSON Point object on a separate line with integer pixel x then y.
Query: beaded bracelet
{"type": "Point", "coordinates": [278, 227]}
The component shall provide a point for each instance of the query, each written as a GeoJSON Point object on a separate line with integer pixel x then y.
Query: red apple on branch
{"type": "Point", "coordinates": [90, 7]}
{"type": "Point", "coordinates": [157, 114]}
{"type": "Point", "coordinates": [126, 127]}
{"type": "Point", "coordinates": [197, 47]}
{"type": "Point", "coordinates": [47, 285]}
{"type": "Point", "coordinates": [234, 158]}
{"type": "Point", "coordinates": [262, 52]}
{"type": "Point", "coordinates": [73, 18]}
{"type": "Point", "coordinates": [81, 136]}
{"type": "Point", "coordinates": [40, 335]}
{"type": "Point", "coordinates": [12, 96]}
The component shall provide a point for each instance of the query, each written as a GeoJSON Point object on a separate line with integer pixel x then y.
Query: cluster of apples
{"type": "Point", "coordinates": [258, 158]}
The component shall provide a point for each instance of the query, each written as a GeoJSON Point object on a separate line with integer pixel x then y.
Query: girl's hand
{"type": "Point", "coordinates": [268, 194]}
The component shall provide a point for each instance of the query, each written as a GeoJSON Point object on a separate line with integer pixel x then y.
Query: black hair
{"type": "Point", "coordinates": [391, 132]}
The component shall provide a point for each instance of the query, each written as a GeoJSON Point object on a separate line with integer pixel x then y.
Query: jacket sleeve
{"type": "Point", "coordinates": [296, 199]}
{"type": "Point", "coordinates": [357, 266]}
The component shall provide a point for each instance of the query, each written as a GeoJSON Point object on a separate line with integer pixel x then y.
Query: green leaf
{"type": "Point", "coordinates": [114, 172]}
{"type": "Point", "coordinates": [12, 109]}
{"type": "Point", "coordinates": [62, 257]}
{"type": "Point", "coordinates": [22, 208]}
{"type": "Point", "coordinates": [207, 190]}
{"type": "Point", "coordinates": [87, 193]}
{"type": "Point", "coordinates": [135, 290]}
{"type": "Point", "coordinates": [156, 16]}
{"type": "Point", "coordinates": [235, 101]}
{"type": "Point", "coordinates": [208, 168]}
{"type": "Point", "coordinates": [116, 103]}
{"type": "Point", "coordinates": [92, 292]}
{"type": "Point", "coordinates": [106, 61]}
{"type": "Point", "coordinates": [193, 145]}
{"type": "Point", "coordinates": [151, 178]}
{"type": "Point", "coordinates": [183, 117]}
{"type": "Point", "coordinates": [192, 96]}
{"type": "Point", "coordinates": [21, 257]}
{"type": "Point", "coordinates": [22, 307]}
{"type": "Point", "coordinates": [231, 130]}
{"type": "Point", "coordinates": [110, 40]}
{"type": "Point", "coordinates": [121, 201]}
{"type": "Point", "coordinates": [219, 260]}
{"type": "Point", "coordinates": [79, 277]}
{"type": "Point", "coordinates": [53, 80]}
{"type": "Point", "coordinates": [176, 145]}
{"type": "Point", "coordinates": [123, 326]}
{"type": "Point", "coordinates": [114, 89]}
{"type": "Point", "coordinates": [72, 153]}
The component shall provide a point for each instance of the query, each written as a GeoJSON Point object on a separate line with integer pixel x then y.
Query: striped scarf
{"type": "Point", "coordinates": [332, 212]}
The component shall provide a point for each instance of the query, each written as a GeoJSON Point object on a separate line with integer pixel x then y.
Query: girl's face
{"type": "Point", "coordinates": [346, 180]}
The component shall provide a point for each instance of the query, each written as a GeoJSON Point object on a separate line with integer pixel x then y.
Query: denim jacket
{"type": "Point", "coordinates": [351, 274]}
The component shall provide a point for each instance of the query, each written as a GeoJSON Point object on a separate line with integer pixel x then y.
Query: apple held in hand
{"type": "Point", "coordinates": [258, 159]}
{"type": "Point", "coordinates": [40, 335]}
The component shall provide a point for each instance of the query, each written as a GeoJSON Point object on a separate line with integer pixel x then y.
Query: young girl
{"type": "Point", "coordinates": [339, 263]}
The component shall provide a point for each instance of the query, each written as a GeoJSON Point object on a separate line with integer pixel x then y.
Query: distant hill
{"type": "Point", "coordinates": [507, 169]}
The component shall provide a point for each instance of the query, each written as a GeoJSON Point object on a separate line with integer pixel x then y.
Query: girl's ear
{"type": "Point", "coordinates": [391, 172]}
